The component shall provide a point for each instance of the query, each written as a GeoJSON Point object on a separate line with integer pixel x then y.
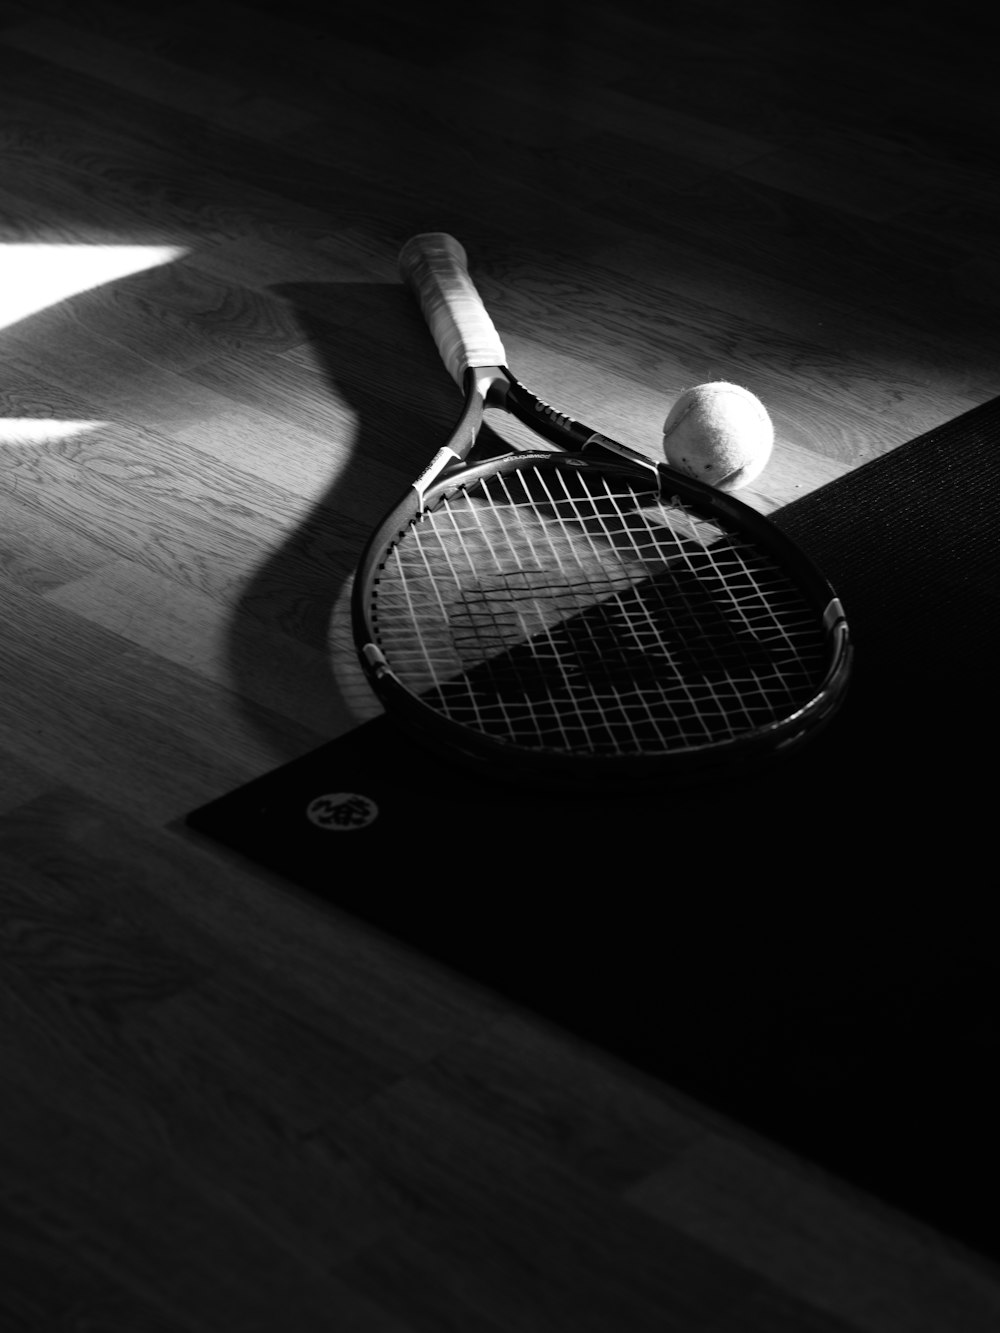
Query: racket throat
{"type": "Point", "coordinates": [480, 383]}
{"type": "Point", "coordinates": [445, 457]}
{"type": "Point", "coordinates": [562, 429]}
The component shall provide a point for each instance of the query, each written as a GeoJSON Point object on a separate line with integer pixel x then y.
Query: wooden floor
{"type": "Point", "coordinates": [224, 1106]}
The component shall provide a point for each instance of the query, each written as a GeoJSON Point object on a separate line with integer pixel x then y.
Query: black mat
{"type": "Point", "coordinates": [811, 952]}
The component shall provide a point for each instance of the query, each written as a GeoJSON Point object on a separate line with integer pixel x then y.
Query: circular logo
{"type": "Point", "coordinates": [342, 811]}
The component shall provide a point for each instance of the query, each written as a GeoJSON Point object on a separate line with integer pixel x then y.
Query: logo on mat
{"type": "Point", "coordinates": [342, 811]}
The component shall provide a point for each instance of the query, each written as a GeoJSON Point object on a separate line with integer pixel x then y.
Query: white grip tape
{"type": "Point", "coordinates": [435, 266]}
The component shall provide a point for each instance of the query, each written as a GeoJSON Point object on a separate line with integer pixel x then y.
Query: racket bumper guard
{"type": "Point", "coordinates": [375, 661]}
{"type": "Point", "coordinates": [834, 614]}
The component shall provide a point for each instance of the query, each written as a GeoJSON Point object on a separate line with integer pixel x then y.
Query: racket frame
{"type": "Point", "coordinates": [448, 471]}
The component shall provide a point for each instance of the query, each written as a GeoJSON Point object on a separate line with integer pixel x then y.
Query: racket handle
{"type": "Point", "coordinates": [435, 267]}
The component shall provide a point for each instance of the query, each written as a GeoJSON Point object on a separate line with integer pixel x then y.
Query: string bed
{"type": "Point", "coordinates": [561, 608]}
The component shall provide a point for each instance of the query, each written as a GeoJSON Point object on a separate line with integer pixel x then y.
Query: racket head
{"type": "Point", "coordinates": [592, 623]}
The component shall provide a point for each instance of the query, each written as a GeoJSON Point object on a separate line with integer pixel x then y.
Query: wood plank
{"type": "Point", "coordinates": [848, 1256]}
{"type": "Point", "coordinates": [151, 737]}
{"type": "Point", "coordinates": [121, 65]}
{"type": "Point", "coordinates": [183, 896]}
{"type": "Point", "coordinates": [282, 673]}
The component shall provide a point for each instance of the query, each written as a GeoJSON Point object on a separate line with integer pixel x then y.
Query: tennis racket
{"type": "Point", "coordinates": [582, 615]}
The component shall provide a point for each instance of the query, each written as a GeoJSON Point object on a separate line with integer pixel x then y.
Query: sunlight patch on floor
{"type": "Point", "coordinates": [38, 430]}
{"type": "Point", "coordinates": [35, 276]}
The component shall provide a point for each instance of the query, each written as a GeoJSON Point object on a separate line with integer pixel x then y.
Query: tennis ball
{"type": "Point", "coordinates": [719, 433]}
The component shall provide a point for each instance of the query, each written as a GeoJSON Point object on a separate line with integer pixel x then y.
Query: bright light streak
{"type": "Point", "coordinates": [35, 276]}
{"type": "Point", "coordinates": [37, 430]}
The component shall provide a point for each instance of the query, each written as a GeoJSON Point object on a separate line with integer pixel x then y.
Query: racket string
{"type": "Point", "coordinates": [565, 608]}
